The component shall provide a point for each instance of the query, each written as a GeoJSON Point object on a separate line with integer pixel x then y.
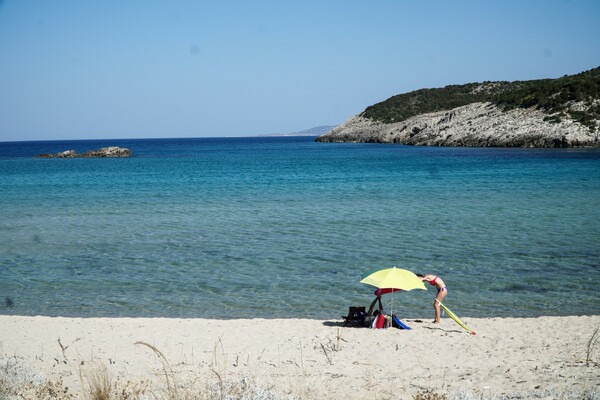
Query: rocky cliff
{"type": "Point", "coordinates": [562, 112]}
{"type": "Point", "coordinates": [476, 124]}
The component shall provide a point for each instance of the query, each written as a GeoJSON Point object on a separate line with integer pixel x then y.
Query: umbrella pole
{"type": "Point", "coordinates": [392, 309]}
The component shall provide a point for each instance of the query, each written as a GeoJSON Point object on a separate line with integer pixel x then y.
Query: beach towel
{"type": "Point", "coordinates": [398, 324]}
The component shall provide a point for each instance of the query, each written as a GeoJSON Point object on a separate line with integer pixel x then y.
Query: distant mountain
{"type": "Point", "coordinates": [563, 112]}
{"type": "Point", "coordinates": [316, 131]}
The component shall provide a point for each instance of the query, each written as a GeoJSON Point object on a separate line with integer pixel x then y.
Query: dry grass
{"type": "Point", "coordinates": [172, 386]}
{"type": "Point", "coordinates": [214, 381]}
{"type": "Point", "coordinates": [429, 395]}
{"type": "Point", "coordinates": [550, 394]}
{"type": "Point", "coordinates": [96, 382]}
{"type": "Point", "coordinates": [220, 387]}
{"type": "Point", "coordinates": [19, 382]}
{"type": "Point", "coordinates": [591, 345]}
{"type": "Point", "coordinates": [13, 386]}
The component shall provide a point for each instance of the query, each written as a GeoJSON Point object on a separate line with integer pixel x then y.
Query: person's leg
{"type": "Point", "coordinates": [436, 307]}
{"type": "Point", "coordinates": [440, 296]}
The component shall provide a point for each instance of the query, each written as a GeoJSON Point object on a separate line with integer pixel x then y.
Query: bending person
{"type": "Point", "coordinates": [442, 291]}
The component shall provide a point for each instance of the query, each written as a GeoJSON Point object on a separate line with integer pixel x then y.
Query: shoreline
{"type": "Point", "coordinates": [315, 358]}
{"type": "Point", "coordinates": [429, 314]}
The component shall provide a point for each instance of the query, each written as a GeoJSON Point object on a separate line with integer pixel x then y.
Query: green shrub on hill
{"type": "Point", "coordinates": [556, 97]}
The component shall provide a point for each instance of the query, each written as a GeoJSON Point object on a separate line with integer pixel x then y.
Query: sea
{"type": "Point", "coordinates": [284, 227]}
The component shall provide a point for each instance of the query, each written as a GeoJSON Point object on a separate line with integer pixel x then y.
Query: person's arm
{"type": "Point", "coordinates": [372, 305]}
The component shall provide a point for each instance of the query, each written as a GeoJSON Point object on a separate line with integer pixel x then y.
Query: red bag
{"type": "Point", "coordinates": [381, 320]}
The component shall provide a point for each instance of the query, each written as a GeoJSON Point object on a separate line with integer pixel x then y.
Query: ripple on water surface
{"type": "Point", "coordinates": [285, 227]}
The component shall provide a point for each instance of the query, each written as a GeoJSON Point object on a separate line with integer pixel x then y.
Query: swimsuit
{"type": "Point", "coordinates": [433, 284]}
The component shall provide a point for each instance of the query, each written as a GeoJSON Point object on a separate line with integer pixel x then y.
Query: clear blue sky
{"type": "Point", "coordinates": [82, 69]}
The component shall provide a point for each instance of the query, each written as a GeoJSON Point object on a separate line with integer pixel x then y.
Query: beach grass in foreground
{"type": "Point", "coordinates": [145, 358]}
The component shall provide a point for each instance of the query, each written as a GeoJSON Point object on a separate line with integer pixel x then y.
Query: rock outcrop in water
{"type": "Point", "coordinates": [475, 125]}
{"type": "Point", "coordinates": [563, 112]}
{"type": "Point", "coordinates": [103, 152]}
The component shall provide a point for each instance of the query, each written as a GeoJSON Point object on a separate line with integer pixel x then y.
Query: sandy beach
{"type": "Point", "coordinates": [312, 358]}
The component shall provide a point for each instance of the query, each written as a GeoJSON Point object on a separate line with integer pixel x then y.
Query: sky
{"type": "Point", "coordinates": [82, 69]}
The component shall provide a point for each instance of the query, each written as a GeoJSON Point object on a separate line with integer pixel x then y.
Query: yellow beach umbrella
{"type": "Point", "coordinates": [394, 278]}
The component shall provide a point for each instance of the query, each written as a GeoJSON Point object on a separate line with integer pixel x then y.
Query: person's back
{"type": "Point", "coordinates": [442, 291]}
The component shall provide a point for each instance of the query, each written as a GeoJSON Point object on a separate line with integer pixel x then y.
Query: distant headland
{"type": "Point", "coordinates": [316, 131]}
{"type": "Point", "coordinates": [563, 112]}
{"type": "Point", "coordinates": [103, 152]}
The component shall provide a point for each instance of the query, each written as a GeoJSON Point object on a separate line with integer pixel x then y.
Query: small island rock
{"type": "Point", "coordinates": [103, 152]}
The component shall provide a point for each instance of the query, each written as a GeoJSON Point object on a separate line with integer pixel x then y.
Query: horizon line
{"type": "Point", "coordinates": [272, 135]}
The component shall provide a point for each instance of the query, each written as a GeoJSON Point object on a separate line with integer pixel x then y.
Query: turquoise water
{"type": "Point", "coordinates": [285, 227]}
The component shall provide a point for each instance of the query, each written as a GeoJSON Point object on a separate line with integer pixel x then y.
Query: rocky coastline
{"type": "Point", "coordinates": [472, 125]}
{"type": "Point", "coordinates": [103, 152]}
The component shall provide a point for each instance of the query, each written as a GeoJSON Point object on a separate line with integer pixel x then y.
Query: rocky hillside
{"type": "Point", "coordinates": [563, 112]}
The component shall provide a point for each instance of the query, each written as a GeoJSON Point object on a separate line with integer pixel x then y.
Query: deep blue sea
{"type": "Point", "coordinates": [285, 227]}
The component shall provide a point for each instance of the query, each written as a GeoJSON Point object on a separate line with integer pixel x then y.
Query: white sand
{"type": "Point", "coordinates": [318, 359]}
